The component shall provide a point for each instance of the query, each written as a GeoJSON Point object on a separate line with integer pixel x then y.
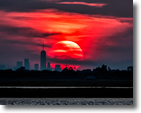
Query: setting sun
{"type": "Point", "coordinates": [66, 50]}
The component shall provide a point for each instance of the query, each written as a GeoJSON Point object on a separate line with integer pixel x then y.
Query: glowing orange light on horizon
{"type": "Point", "coordinates": [66, 50]}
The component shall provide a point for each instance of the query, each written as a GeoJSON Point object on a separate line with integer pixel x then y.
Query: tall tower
{"type": "Point", "coordinates": [43, 59]}
{"type": "Point", "coordinates": [26, 64]}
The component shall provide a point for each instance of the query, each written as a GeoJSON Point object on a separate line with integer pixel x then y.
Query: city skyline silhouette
{"type": "Point", "coordinates": [44, 65]}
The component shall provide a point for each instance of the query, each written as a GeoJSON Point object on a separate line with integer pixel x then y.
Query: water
{"type": "Point", "coordinates": [62, 87]}
{"type": "Point", "coordinates": [66, 101]}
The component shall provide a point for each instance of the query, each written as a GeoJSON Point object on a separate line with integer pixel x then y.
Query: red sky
{"type": "Point", "coordinates": [103, 38]}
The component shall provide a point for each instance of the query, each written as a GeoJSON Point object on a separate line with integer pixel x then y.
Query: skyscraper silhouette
{"type": "Point", "coordinates": [26, 64]}
{"type": "Point", "coordinates": [49, 67]}
{"type": "Point", "coordinates": [19, 64]}
{"type": "Point", "coordinates": [58, 68]}
{"type": "Point", "coordinates": [43, 59]}
{"type": "Point", "coordinates": [36, 67]}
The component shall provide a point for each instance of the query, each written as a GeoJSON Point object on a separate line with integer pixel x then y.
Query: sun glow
{"type": "Point", "coordinates": [66, 51]}
{"type": "Point", "coordinates": [97, 35]}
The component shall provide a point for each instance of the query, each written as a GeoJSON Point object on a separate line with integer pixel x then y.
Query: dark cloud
{"type": "Point", "coordinates": [26, 43]}
{"type": "Point", "coordinates": [10, 32]}
{"type": "Point", "coordinates": [120, 38]}
{"type": "Point", "coordinates": [121, 50]}
{"type": "Point", "coordinates": [120, 8]}
{"type": "Point", "coordinates": [24, 31]}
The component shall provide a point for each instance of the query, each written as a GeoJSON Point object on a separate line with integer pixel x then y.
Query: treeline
{"type": "Point", "coordinates": [99, 73]}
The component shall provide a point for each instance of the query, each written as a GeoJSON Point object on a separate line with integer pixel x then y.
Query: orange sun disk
{"type": "Point", "coordinates": [65, 51]}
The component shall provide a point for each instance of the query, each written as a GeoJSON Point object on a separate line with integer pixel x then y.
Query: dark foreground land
{"type": "Point", "coordinates": [66, 84]}
{"type": "Point", "coordinates": [68, 89]}
{"type": "Point", "coordinates": [66, 93]}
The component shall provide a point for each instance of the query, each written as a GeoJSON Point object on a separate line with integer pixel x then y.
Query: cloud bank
{"type": "Point", "coordinates": [105, 34]}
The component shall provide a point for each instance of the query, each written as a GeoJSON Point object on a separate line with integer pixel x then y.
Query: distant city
{"type": "Point", "coordinates": [43, 64]}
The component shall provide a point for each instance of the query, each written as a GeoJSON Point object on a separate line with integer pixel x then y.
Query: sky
{"type": "Point", "coordinates": [102, 29]}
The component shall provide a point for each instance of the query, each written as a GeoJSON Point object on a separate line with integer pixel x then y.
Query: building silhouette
{"type": "Point", "coordinates": [26, 64]}
{"type": "Point", "coordinates": [58, 68]}
{"type": "Point", "coordinates": [49, 67]}
{"type": "Point", "coordinates": [19, 64]}
{"type": "Point", "coordinates": [43, 59]}
{"type": "Point", "coordinates": [36, 67]}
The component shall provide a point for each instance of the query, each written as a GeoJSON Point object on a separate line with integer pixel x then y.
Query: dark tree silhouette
{"type": "Point", "coordinates": [104, 67]}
